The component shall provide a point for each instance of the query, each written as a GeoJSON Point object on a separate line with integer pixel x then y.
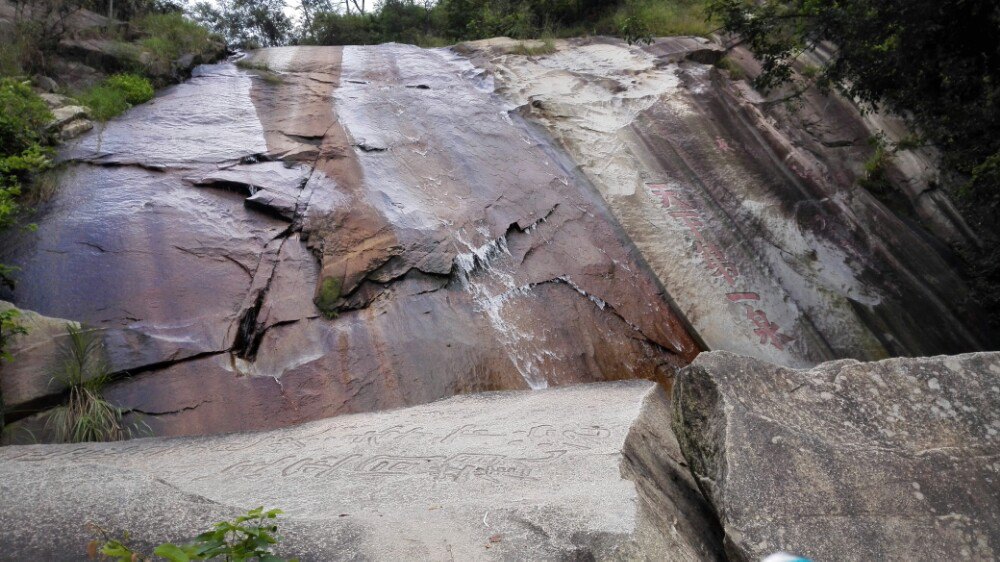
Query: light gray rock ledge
{"type": "Point", "coordinates": [894, 460]}
{"type": "Point", "coordinates": [586, 472]}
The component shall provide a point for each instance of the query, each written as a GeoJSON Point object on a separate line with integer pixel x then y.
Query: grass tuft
{"type": "Point", "coordinates": [86, 415]}
{"type": "Point", "coordinates": [658, 18]}
{"type": "Point", "coordinates": [547, 47]}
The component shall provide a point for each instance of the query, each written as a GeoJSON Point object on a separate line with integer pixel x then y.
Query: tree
{"type": "Point", "coordinates": [934, 62]}
{"type": "Point", "coordinates": [247, 24]}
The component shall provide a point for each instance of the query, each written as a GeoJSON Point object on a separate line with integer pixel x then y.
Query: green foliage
{"type": "Point", "coordinates": [329, 295]}
{"type": "Point", "coordinates": [641, 20]}
{"type": "Point", "coordinates": [249, 537]}
{"type": "Point", "coordinates": [104, 102]}
{"type": "Point", "coordinates": [875, 179]}
{"type": "Point", "coordinates": [23, 155]}
{"type": "Point", "coordinates": [86, 415]}
{"type": "Point", "coordinates": [170, 35]}
{"type": "Point", "coordinates": [246, 24]}
{"type": "Point", "coordinates": [116, 95]}
{"type": "Point", "coordinates": [136, 89]}
{"type": "Point", "coordinates": [23, 116]}
{"type": "Point", "coordinates": [9, 327]}
{"type": "Point", "coordinates": [634, 31]}
{"type": "Point", "coordinates": [426, 22]}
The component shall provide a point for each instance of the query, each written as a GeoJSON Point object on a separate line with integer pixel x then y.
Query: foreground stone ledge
{"type": "Point", "coordinates": [576, 472]}
{"type": "Point", "coordinates": [894, 460]}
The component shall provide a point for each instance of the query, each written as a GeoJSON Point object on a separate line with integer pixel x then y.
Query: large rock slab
{"type": "Point", "coordinates": [759, 232]}
{"type": "Point", "coordinates": [586, 472]}
{"type": "Point", "coordinates": [895, 460]}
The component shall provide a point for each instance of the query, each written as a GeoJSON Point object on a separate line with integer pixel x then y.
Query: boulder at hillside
{"type": "Point", "coordinates": [581, 473]}
{"type": "Point", "coordinates": [894, 460]}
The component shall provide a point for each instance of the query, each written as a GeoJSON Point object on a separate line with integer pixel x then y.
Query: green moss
{"type": "Point", "coordinates": [328, 296]}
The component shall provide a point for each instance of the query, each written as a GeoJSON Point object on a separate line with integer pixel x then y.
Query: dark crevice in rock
{"type": "Point", "coordinates": [366, 147]}
{"type": "Point", "coordinates": [166, 413]}
{"type": "Point", "coordinates": [256, 158]}
{"type": "Point", "coordinates": [248, 337]}
{"type": "Point", "coordinates": [49, 401]}
{"type": "Point", "coordinates": [158, 168]}
{"type": "Point", "coordinates": [604, 306]}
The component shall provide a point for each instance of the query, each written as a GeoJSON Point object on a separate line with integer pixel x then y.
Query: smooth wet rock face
{"type": "Point", "coordinates": [894, 460]}
{"type": "Point", "coordinates": [576, 473]}
{"type": "Point", "coordinates": [755, 227]}
{"type": "Point", "coordinates": [353, 229]}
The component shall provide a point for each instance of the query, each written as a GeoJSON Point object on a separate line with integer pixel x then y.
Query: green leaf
{"type": "Point", "coordinates": [172, 552]}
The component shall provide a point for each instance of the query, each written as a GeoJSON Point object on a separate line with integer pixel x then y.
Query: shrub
{"type": "Point", "coordinates": [86, 415]}
{"type": "Point", "coordinates": [170, 35]}
{"type": "Point", "coordinates": [115, 95]}
{"type": "Point", "coordinates": [248, 537]}
{"type": "Point", "coordinates": [23, 117]}
{"type": "Point", "coordinates": [658, 18]}
{"type": "Point", "coordinates": [104, 102]}
{"type": "Point", "coordinates": [136, 88]}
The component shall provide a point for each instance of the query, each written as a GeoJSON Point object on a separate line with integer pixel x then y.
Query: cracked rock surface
{"type": "Point", "coordinates": [351, 229]}
{"type": "Point", "coordinates": [749, 212]}
{"type": "Point", "coordinates": [894, 460]}
{"type": "Point", "coordinates": [577, 473]}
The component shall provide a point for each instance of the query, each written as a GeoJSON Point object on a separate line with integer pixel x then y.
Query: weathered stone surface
{"type": "Point", "coordinates": [573, 473]}
{"type": "Point", "coordinates": [75, 128]}
{"type": "Point", "coordinates": [44, 83]}
{"type": "Point", "coordinates": [29, 373]}
{"type": "Point", "coordinates": [760, 234]}
{"type": "Point", "coordinates": [894, 460]}
{"type": "Point", "coordinates": [353, 229]}
{"type": "Point", "coordinates": [64, 114]}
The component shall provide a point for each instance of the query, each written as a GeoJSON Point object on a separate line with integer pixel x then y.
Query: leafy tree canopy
{"type": "Point", "coordinates": [935, 62]}
{"type": "Point", "coordinates": [246, 24]}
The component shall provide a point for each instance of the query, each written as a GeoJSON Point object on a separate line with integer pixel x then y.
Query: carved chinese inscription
{"type": "Point", "coordinates": [685, 211]}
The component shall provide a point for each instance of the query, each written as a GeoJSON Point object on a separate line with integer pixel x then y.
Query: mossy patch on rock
{"type": "Point", "coordinates": [328, 296]}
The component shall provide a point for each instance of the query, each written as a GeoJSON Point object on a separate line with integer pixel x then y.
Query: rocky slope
{"type": "Point", "coordinates": [749, 211]}
{"type": "Point", "coordinates": [339, 230]}
{"type": "Point", "coordinates": [324, 230]}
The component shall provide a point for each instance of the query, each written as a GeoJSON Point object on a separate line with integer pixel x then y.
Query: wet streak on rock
{"type": "Point", "coordinates": [756, 227]}
{"type": "Point", "coordinates": [383, 217]}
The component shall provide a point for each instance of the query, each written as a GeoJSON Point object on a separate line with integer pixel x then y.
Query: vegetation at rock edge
{"type": "Point", "coordinates": [85, 415]}
{"type": "Point", "coordinates": [935, 63]}
{"type": "Point", "coordinates": [253, 536]}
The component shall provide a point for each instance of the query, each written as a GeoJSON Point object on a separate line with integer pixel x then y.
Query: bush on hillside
{"type": "Point", "coordinates": [168, 36]}
{"type": "Point", "coordinates": [116, 95]}
{"type": "Point", "coordinates": [23, 117]}
{"type": "Point", "coordinates": [136, 89]}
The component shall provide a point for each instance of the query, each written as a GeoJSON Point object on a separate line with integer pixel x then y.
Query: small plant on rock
{"type": "Point", "coordinates": [86, 415]}
{"type": "Point", "coordinates": [248, 537]}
